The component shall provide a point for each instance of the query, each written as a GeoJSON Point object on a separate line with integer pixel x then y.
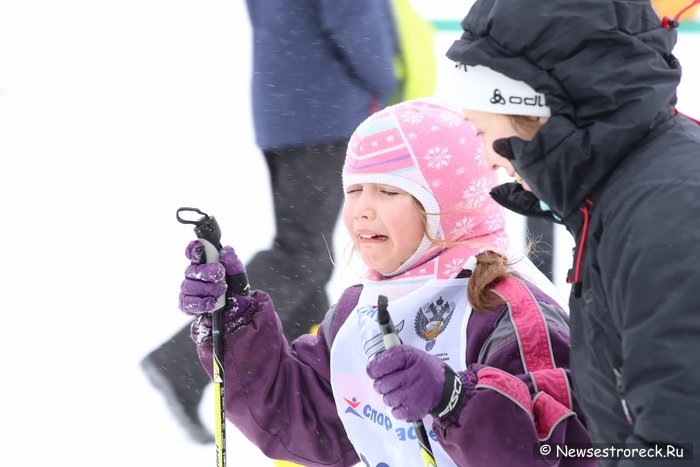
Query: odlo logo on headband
{"type": "Point", "coordinates": [535, 101]}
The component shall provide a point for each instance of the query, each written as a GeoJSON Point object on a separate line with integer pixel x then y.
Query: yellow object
{"type": "Point", "coordinates": [428, 459]}
{"type": "Point", "coordinates": [671, 8]}
{"type": "Point", "coordinates": [416, 66]}
{"type": "Point", "coordinates": [220, 414]}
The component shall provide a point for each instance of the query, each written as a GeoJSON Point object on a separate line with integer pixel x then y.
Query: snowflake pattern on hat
{"type": "Point", "coordinates": [428, 149]}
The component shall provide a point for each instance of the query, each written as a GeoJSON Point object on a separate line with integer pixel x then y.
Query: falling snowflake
{"type": "Point", "coordinates": [437, 183]}
{"type": "Point", "coordinates": [390, 138]}
{"type": "Point", "coordinates": [375, 143]}
{"type": "Point", "coordinates": [461, 171]}
{"type": "Point", "coordinates": [438, 157]}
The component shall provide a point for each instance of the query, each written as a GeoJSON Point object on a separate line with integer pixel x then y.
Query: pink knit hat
{"type": "Point", "coordinates": [426, 148]}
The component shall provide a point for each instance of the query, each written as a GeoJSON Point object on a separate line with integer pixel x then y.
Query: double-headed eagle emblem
{"type": "Point", "coordinates": [431, 319]}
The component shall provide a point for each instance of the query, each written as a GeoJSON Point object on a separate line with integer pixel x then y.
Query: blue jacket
{"type": "Point", "coordinates": [320, 67]}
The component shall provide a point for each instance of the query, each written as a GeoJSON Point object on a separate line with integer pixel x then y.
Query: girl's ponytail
{"type": "Point", "coordinates": [490, 268]}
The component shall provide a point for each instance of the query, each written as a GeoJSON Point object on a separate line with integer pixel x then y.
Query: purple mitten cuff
{"type": "Point", "coordinates": [452, 395]}
{"type": "Point", "coordinates": [469, 379]}
{"type": "Point", "coordinates": [240, 314]}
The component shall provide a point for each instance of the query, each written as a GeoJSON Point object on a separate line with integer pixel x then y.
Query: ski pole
{"type": "Point", "coordinates": [391, 339]}
{"type": "Point", "coordinates": [208, 231]}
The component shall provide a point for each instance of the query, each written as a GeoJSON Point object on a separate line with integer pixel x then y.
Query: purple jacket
{"type": "Point", "coordinates": [280, 396]}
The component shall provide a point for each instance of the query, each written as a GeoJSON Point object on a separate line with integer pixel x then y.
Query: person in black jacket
{"type": "Point", "coordinates": [320, 67]}
{"type": "Point", "coordinates": [576, 98]}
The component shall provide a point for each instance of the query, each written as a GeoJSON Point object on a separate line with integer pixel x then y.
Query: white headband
{"type": "Point", "coordinates": [481, 88]}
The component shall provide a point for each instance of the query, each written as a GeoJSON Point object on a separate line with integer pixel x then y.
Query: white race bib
{"type": "Point", "coordinates": [433, 318]}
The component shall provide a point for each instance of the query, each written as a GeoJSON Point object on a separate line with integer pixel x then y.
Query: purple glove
{"type": "Point", "coordinates": [415, 383]}
{"type": "Point", "coordinates": [204, 284]}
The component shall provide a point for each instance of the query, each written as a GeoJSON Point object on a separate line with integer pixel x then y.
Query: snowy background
{"type": "Point", "coordinates": [113, 115]}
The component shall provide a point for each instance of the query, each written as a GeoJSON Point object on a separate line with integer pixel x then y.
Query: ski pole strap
{"type": "Point", "coordinates": [452, 395]}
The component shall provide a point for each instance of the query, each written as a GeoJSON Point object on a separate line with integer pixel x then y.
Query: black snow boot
{"type": "Point", "coordinates": [174, 369]}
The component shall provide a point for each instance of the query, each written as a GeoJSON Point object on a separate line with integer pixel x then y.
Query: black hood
{"type": "Point", "coordinates": [605, 68]}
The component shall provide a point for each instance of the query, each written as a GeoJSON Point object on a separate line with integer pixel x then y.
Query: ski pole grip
{"type": "Point", "coordinates": [207, 230]}
{"type": "Point", "coordinates": [206, 227]}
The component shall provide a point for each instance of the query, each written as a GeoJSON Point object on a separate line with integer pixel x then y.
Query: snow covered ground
{"type": "Point", "coordinates": [113, 115]}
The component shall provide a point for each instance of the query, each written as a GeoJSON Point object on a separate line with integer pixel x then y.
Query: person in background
{"type": "Point", "coordinates": [483, 359]}
{"type": "Point", "coordinates": [576, 100]}
{"type": "Point", "coordinates": [319, 69]}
